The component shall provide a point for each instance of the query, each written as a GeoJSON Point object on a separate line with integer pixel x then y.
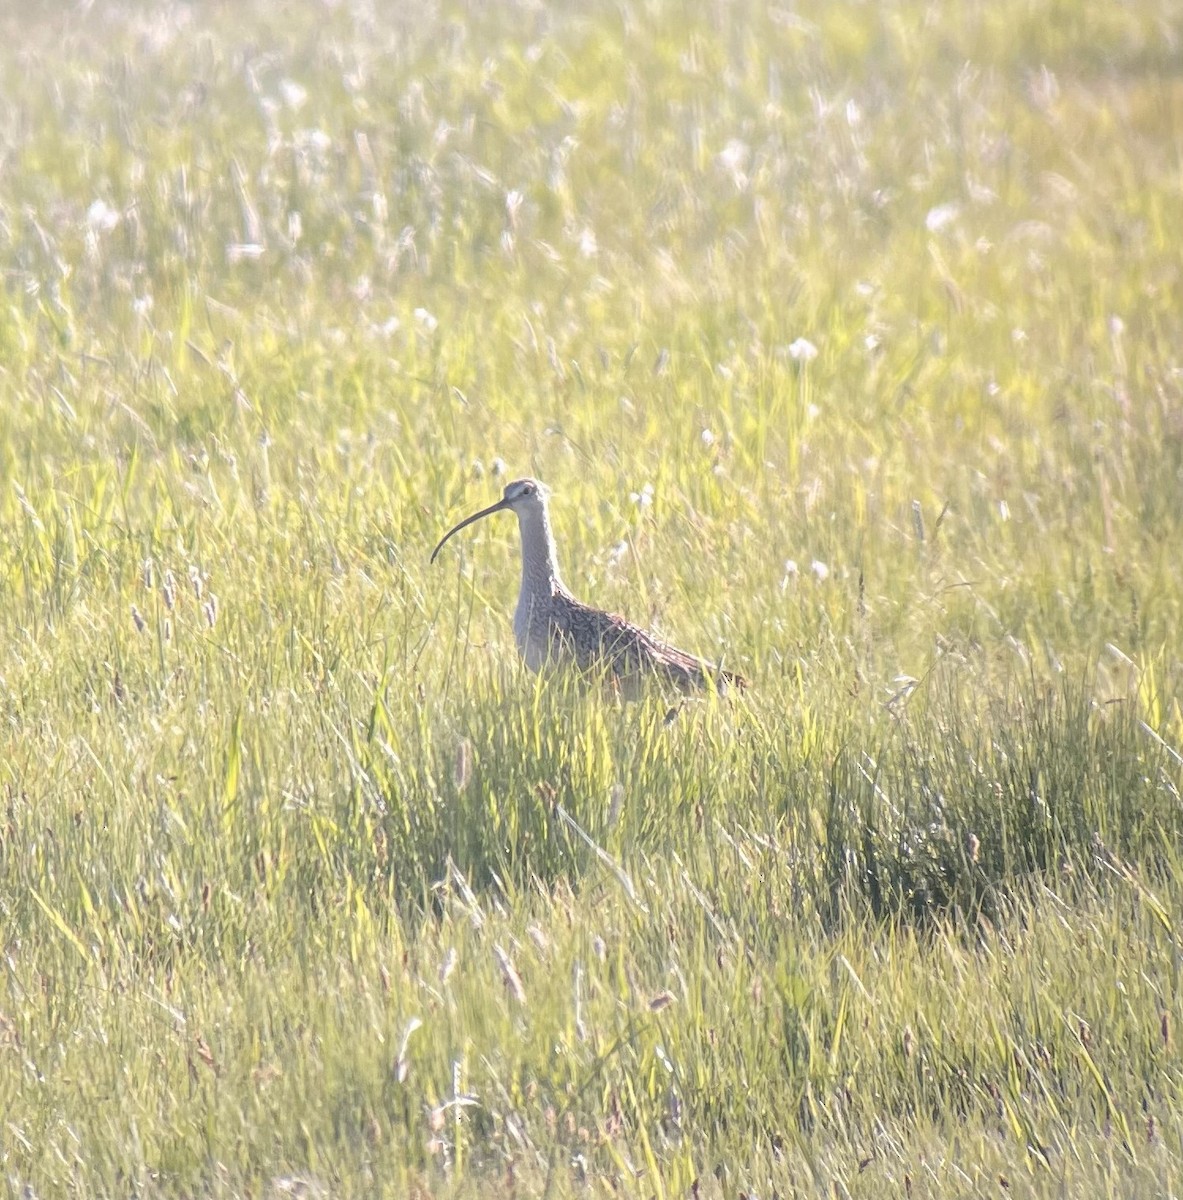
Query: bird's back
{"type": "Point", "coordinates": [602, 641]}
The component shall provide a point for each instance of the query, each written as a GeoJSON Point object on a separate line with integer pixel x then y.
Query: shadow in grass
{"type": "Point", "coordinates": [962, 808]}
{"type": "Point", "coordinates": [528, 785]}
{"type": "Point", "coordinates": [948, 809]}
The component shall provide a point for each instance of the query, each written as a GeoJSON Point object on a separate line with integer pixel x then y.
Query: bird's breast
{"type": "Point", "coordinates": [531, 629]}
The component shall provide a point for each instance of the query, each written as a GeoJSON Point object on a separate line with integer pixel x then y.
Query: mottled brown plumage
{"type": "Point", "coordinates": [551, 626]}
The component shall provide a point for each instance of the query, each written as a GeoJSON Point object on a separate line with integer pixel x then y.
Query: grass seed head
{"type": "Point", "coordinates": [462, 767]}
{"type": "Point", "coordinates": [615, 803]}
{"type": "Point", "coordinates": [509, 975]}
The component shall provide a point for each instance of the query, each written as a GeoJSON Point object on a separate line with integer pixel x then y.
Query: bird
{"type": "Point", "coordinates": [551, 626]}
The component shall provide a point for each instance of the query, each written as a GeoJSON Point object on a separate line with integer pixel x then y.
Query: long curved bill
{"type": "Point", "coordinates": [485, 512]}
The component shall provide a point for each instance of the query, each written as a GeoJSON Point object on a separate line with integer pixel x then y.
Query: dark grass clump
{"type": "Point", "coordinates": [956, 811]}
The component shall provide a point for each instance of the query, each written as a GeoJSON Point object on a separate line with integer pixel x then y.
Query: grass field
{"type": "Point", "coordinates": [850, 339]}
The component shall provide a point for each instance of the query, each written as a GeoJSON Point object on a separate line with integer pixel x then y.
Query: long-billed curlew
{"type": "Point", "coordinates": [550, 625]}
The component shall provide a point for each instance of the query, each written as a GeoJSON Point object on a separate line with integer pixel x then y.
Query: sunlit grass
{"type": "Point", "coordinates": [848, 339]}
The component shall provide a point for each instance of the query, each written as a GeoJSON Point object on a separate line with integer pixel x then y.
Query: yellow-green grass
{"type": "Point", "coordinates": [848, 337]}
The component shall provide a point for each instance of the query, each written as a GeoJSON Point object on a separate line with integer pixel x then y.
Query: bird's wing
{"type": "Point", "coordinates": [599, 639]}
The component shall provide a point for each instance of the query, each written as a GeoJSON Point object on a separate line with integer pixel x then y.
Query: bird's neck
{"type": "Point", "coordinates": [540, 562]}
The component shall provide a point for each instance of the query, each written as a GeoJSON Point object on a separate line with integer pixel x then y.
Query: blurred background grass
{"type": "Point", "coordinates": [847, 337]}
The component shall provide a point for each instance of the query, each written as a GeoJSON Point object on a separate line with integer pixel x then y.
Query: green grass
{"type": "Point", "coordinates": [306, 887]}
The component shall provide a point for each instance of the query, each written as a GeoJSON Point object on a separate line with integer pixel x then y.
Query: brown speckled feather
{"type": "Point", "coordinates": [599, 640]}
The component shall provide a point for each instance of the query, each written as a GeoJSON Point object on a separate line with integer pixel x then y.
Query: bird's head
{"type": "Point", "coordinates": [525, 497]}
